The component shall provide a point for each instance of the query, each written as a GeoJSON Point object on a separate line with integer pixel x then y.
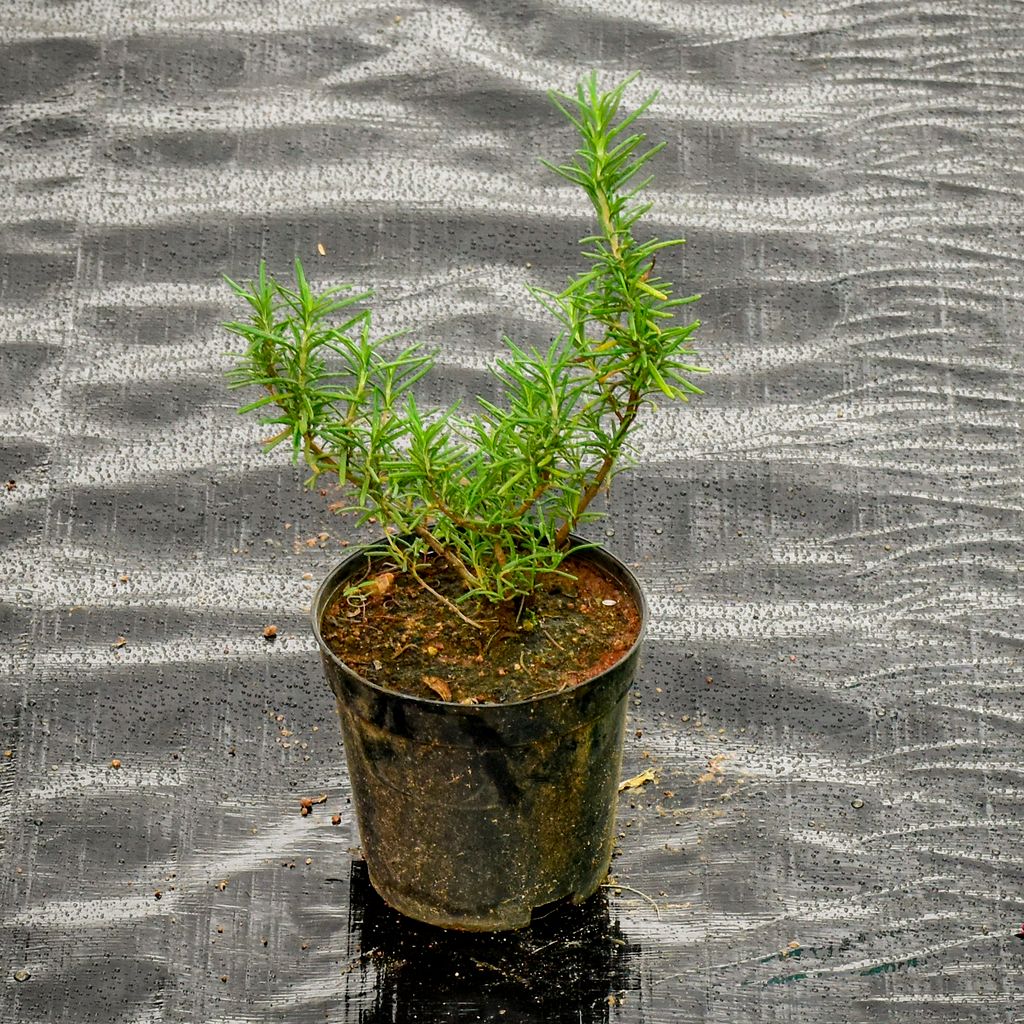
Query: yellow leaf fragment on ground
{"type": "Point", "coordinates": [638, 781]}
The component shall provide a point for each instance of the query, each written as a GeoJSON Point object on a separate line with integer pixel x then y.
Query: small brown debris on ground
{"type": "Point", "coordinates": [638, 781]}
{"type": "Point", "coordinates": [222, 884]}
{"type": "Point", "coordinates": [714, 772]}
{"type": "Point", "coordinates": [320, 249]}
{"type": "Point", "coordinates": [336, 819]}
{"type": "Point", "coordinates": [224, 978]}
{"type": "Point", "coordinates": [269, 632]}
{"type": "Point", "coordinates": [11, 485]}
{"type": "Point", "coordinates": [8, 753]}
{"type": "Point", "coordinates": [120, 642]}
{"type": "Point", "coordinates": [439, 686]}
{"type": "Point", "coordinates": [306, 803]}
{"type": "Point", "coordinates": [115, 763]}
{"type": "Point", "coordinates": [158, 895]}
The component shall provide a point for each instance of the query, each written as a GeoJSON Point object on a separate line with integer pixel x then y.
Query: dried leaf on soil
{"type": "Point", "coordinates": [383, 583]}
{"type": "Point", "coordinates": [439, 686]}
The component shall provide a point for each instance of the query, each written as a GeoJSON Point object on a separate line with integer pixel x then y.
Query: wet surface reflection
{"type": "Point", "coordinates": [830, 539]}
{"type": "Point", "coordinates": [572, 964]}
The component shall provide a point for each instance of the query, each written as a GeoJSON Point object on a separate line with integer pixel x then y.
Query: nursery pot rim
{"type": "Point", "coordinates": [329, 586]}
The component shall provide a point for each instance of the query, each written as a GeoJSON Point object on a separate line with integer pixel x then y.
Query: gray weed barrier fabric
{"type": "Point", "coordinates": [829, 707]}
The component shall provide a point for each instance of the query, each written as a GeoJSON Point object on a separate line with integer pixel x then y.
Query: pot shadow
{"type": "Point", "coordinates": [572, 964]}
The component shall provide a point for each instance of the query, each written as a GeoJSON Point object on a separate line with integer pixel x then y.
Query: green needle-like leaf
{"type": "Point", "coordinates": [495, 491]}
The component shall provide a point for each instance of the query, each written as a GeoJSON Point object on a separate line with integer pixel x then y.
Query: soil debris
{"type": "Point", "coordinates": [307, 803]}
{"type": "Point", "coordinates": [714, 773]}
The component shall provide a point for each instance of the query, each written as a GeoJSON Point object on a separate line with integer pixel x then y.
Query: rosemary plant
{"type": "Point", "coordinates": [496, 492]}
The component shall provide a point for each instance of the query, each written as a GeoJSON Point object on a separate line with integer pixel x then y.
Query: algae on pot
{"type": "Point", "coordinates": [479, 591]}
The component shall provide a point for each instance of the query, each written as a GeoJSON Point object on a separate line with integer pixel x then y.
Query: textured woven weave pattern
{"type": "Point", "coordinates": [830, 540]}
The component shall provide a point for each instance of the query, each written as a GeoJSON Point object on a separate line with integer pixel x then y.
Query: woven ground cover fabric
{"type": "Point", "coordinates": [830, 540]}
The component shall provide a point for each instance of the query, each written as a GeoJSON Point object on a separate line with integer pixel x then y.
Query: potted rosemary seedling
{"type": "Point", "coordinates": [481, 652]}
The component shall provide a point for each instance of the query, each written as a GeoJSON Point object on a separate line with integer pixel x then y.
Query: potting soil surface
{"type": "Point", "coordinates": [389, 629]}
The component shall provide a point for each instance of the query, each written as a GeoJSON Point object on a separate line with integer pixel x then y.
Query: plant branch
{"type": "Point", "coordinates": [493, 495]}
{"type": "Point", "coordinates": [448, 555]}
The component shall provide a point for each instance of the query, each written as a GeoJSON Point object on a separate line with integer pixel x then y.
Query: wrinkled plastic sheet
{"type": "Point", "coordinates": [830, 540]}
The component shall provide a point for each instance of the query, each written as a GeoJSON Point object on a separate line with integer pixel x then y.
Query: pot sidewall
{"type": "Point", "coordinates": [472, 816]}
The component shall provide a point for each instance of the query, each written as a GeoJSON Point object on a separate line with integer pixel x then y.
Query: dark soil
{"type": "Point", "coordinates": [404, 639]}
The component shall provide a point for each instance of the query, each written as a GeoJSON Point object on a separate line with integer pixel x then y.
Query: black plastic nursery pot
{"type": "Point", "coordinates": [474, 816]}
